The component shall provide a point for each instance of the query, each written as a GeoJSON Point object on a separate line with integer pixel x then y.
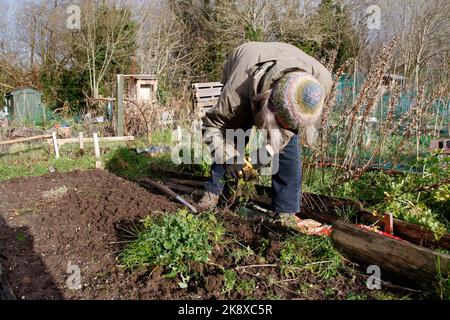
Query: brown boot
{"type": "Point", "coordinates": [288, 220]}
{"type": "Point", "coordinates": [208, 201]}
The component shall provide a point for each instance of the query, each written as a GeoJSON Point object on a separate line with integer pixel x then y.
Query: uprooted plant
{"type": "Point", "coordinates": [180, 243]}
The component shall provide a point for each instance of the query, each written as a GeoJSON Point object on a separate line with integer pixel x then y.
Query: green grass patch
{"type": "Point", "coordinates": [315, 254]}
{"type": "Point", "coordinates": [246, 287]}
{"type": "Point", "coordinates": [36, 160]}
{"type": "Point", "coordinates": [384, 296]}
{"type": "Point", "coordinates": [127, 163]}
{"type": "Point", "coordinates": [177, 242]}
{"type": "Point", "coordinates": [230, 279]}
{"type": "Point", "coordinates": [356, 296]}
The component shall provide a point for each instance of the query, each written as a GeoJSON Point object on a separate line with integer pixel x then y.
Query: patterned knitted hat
{"type": "Point", "coordinates": [298, 99]}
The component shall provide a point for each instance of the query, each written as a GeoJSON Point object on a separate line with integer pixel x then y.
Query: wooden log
{"type": "Point", "coordinates": [397, 259]}
{"type": "Point", "coordinates": [413, 233]}
{"type": "Point", "coordinates": [91, 140]}
{"type": "Point", "coordinates": [307, 213]}
{"type": "Point", "coordinates": [27, 139]}
{"type": "Point", "coordinates": [322, 208]}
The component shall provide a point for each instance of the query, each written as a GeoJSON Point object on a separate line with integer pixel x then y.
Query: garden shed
{"type": "Point", "coordinates": [25, 104]}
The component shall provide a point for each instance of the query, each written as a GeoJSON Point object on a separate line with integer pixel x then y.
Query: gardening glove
{"type": "Point", "coordinates": [238, 170]}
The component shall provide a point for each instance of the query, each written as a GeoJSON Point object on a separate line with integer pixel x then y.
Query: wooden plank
{"type": "Point", "coordinates": [208, 103]}
{"type": "Point", "coordinates": [210, 98]}
{"type": "Point", "coordinates": [27, 139]}
{"type": "Point", "coordinates": [208, 90]}
{"type": "Point", "coordinates": [413, 233]}
{"type": "Point", "coordinates": [406, 262]}
{"type": "Point", "coordinates": [206, 85]}
{"type": "Point", "coordinates": [420, 235]}
{"type": "Point", "coordinates": [322, 209]}
{"type": "Point", "coordinates": [207, 93]}
{"type": "Point", "coordinates": [91, 140]}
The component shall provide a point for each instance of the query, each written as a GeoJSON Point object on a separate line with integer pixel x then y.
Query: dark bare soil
{"type": "Point", "coordinates": [58, 220]}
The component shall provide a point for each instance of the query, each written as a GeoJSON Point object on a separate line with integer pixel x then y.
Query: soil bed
{"type": "Point", "coordinates": [51, 223]}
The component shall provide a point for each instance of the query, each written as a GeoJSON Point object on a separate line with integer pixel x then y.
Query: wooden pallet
{"type": "Point", "coordinates": [205, 96]}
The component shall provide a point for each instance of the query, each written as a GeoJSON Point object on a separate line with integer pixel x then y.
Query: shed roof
{"type": "Point", "coordinates": [18, 89]}
{"type": "Point", "coordinates": [142, 76]}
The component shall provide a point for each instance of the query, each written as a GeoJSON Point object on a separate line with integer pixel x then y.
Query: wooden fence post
{"type": "Point", "coordinates": [81, 137]}
{"type": "Point", "coordinates": [55, 145]}
{"type": "Point", "coordinates": [98, 162]}
{"type": "Point", "coordinates": [119, 106]}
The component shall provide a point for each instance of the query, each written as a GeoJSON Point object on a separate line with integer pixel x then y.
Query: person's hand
{"type": "Point", "coordinates": [236, 170]}
{"type": "Point", "coordinates": [233, 170]}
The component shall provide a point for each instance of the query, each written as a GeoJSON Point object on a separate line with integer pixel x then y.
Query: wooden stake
{"type": "Point", "coordinates": [388, 223]}
{"type": "Point", "coordinates": [98, 163]}
{"type": "Point", "coordinates": [179, 134]}
{"type": "Point", "coordinates": [90, 140]}
{"type": "Point", "coordinates": [81, 136]}
{"type": "Point", "coordinates": [55, 145]}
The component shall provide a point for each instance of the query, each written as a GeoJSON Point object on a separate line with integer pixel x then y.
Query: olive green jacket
{"type": "Point", "coordinates": [250, 70]}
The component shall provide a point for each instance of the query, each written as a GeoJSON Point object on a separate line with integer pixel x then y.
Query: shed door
{"type": "Point", "coordinates": [145, 93]}
{"type": "Point", "coordinates": [28, 106]}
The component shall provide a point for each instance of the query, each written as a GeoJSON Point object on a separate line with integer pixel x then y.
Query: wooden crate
{"type": "Point", "coordinates": [205, 96]}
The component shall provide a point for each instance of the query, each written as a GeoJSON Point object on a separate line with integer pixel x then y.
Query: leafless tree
{"type": "Point", "coordinates": [115, 33]}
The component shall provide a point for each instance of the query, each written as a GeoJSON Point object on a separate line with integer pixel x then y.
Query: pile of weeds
{"type": "Point", "coordinates": [314, 254]}
{"type": "Point", "coordinates": [243, 261]}
{"type": "Point", "coordinates": [180, 243]}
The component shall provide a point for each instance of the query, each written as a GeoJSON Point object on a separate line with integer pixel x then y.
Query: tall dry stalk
{"type": "Point", "coordinates": [368, 97]}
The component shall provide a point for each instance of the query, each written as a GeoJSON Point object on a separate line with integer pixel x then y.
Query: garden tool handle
{"type": "Point", "coordinates": [170, 193]}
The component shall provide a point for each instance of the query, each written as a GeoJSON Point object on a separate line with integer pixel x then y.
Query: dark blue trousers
{"type": "Point", "coordinates": [286, 182]}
